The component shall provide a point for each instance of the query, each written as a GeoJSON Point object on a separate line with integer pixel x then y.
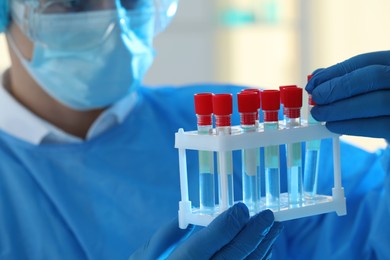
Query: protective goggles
{"type": "Point", "coordinates": [93, 18]}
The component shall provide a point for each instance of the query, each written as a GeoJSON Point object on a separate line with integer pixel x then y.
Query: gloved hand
{"type": "Point", "coordinates": [353, 96]}
{"type": "Point", "coordinates": [232, 235]}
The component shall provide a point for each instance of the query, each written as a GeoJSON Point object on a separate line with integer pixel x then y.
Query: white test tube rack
{"type": "Point", "coordinates": [238, 140]}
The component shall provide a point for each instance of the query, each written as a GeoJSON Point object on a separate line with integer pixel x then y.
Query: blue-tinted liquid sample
{"type": "Point", "coordinates": [272, 188]}
{"type": "Point", "coordinates": [230, 196]}
{"type": "Point", "coordinates": [311, 173]}
{"type": "Point", "coordinates": [312, 157]}
{"type": "Point", "coordinates": [230, 190]}
{"type": "Point", "coordinates": [250, 167]}
{"type": "Point", "coordinates": [272, 175]}
{"type": "Point", "coordinates": [250, 191]}
{"type": "Point", "coordinates": [294, 175]}
{"type": "Point", "coordinates": [207, 197]}
{"type": "Point", "coordinates": [206, 181]}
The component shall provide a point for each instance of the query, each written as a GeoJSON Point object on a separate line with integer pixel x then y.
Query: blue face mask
{"type": "Point", "coordinates": [85, 65]}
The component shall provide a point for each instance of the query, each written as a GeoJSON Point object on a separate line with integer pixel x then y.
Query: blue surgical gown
{"type": "Point", "coordinates": [104, 198]}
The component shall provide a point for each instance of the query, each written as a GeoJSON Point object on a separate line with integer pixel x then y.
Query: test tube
{"type": "Point", "coordinates": [204, 110]}
{"type": "Point", "coordinates": [248, 103]}
{"type": "Point", "coordinates": [222, 109]}
{"type": "Point", "coordinates": [282, 88]}
{"type": "Point", "coordinates": [293, 104]}
{"type": "Point", "coordinates": [312, 156]}
{"type": "Point", "coordinates": [260, 151]}
{"type": "Point", "coordinates": [270, 105]}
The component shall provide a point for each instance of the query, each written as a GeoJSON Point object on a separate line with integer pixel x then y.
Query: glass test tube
{"type": "Point", "coordinates": [270, 105]}
{"type": "Point", "coordinates": [248, 103]}
{"type": "Point", "coordinates": [293, 104]}
{"type": "Point", "coordinates": [222, 109]}
{"type": "Point", "coordinates": [312, 157]}
{"type": "Point", "coordinates": [204, 110]}
{"type": "Point", "coordinates": [259, 128]}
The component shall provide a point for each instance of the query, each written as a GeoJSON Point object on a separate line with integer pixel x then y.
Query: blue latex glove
{"type": "Point", "coordinates": [353, 96]}
{"type": "Point", "coordinates": [232, 235]}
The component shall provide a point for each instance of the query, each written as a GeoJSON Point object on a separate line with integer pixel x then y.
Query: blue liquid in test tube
{"type": "Point", "coordinates": [206, 181]}
{"type": "Point", "coordinates": [204, 109]}
{"type": "Point", "coordinates": [311, 161]}
{"type": "Point", "coordinates": [250, 169]}
{"type": "Point", "coordinates": [272, 175]}
{"type": "Point", "coordinates": [294, 174]}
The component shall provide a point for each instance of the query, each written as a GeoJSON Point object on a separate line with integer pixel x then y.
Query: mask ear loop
{"type": "Point", "coordinates": [21, 15]}
{"type": "Point", "coordinates": [25, 63]}
{"type": "Point", "coordinates": [18, 12]}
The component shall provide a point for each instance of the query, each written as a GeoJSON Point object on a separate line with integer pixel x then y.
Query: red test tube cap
{"type": "Point", "coordinates": [248, 101]}
{"type": "Point", "coordinates": [271, 100]}
{"type": "Point", "coordinates": [256, 90]}
{"type": "Point", "coordinates": [251, 90]}
{"type": "Point", "coordinates": [222, 104]}
{"type": "Point", "coordinates": [282, 88]}
{"type": "Point", "coordinates": [203, 103]}
{"type": "Point", "coordinates": [293, 98]}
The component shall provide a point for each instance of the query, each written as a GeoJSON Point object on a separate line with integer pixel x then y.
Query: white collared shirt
{"type": "Point", "coordinates": [18, 121]}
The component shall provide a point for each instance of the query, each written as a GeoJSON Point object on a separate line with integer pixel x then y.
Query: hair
{"type": "Point", "coordinates": [4, 15]}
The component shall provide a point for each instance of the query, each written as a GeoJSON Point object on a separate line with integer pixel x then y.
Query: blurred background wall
{"type": "Point", "coordinates": [265, 43]}
{"type": "Point", "coordinates": [262, 43]}
{"type": "Point", "coordinates": [4, 58]}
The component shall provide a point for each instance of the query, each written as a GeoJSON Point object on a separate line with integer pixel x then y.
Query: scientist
{"type": "Point", "coordinates": [88, 165]}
